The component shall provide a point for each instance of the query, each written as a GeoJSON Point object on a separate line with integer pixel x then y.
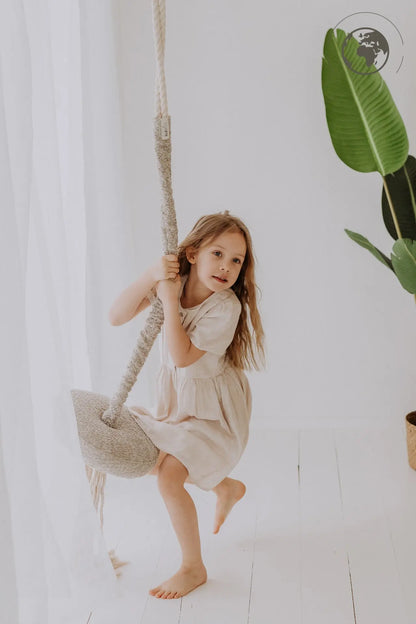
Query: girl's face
{"type": "Point", "coordinates": [218, 263]}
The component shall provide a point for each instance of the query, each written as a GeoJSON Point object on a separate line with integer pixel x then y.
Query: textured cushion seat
{"type": "Point", "coordinates": [123, 450]}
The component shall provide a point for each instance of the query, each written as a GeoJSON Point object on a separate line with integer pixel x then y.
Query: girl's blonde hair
{"type": "Point", "coordinates": [246, 349]}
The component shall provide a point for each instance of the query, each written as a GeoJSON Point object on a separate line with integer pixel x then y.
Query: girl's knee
{"type": "Point", "coordinates": [171, 474]}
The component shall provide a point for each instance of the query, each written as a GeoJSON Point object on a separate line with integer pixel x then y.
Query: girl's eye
{"type": "Point", "coordinates": [217, 252]}
{"type": "Point", "coordinates": [238, 260]}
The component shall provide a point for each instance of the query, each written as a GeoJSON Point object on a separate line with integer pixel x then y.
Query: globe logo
{"type": "Point", "coordinates": [365, 51]}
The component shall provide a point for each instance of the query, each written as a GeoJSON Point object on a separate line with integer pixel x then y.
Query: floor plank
{"type": "Point", "coordinates": [326, 592]}
{"type": "Point", "coordinates": [375, 581]}
{"type": "Point", "coordinates": [399, 498]}
{"type": "Point", "coordinates": [273, 475]}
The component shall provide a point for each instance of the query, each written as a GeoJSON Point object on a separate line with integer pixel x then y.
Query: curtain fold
{"type": "Point", "coordinates": [65, 249]}
{"type": "Point", "coordinates": [108, 224]}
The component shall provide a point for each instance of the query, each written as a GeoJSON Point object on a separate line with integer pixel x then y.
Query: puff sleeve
{"type": "Point", "coordinates": [215, 330]}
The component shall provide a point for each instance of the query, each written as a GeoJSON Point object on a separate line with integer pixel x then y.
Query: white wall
{"type": "Point", "coordinates": [250, 135]}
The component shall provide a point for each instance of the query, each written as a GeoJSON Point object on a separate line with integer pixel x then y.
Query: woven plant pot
{"type": "Point", "coordinates": [411, 438]}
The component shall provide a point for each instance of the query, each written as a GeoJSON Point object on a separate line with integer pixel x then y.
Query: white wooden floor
{"type": "Point", "coordinates": [325, 534]}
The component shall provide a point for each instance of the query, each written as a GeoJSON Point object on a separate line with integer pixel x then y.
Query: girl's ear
{"type": "Point", "coordinates": [190, 254]}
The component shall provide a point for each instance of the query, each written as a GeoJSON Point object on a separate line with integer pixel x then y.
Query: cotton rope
{"type": "Point", "coordinates": [163, 148]}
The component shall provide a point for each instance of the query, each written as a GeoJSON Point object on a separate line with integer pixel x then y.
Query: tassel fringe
{"type": "Point", "coordinates": [97, 482]}
{"type": "Point", "coordinates": [117, 563]}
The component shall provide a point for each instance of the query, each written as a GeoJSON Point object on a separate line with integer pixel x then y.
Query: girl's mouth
{"type": "Point", "coordinates": [222, 281]}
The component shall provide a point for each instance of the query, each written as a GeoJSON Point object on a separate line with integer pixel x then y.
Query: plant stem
{"type": "Point", "coordinates": [412, 197]}
{"type": "Point", "coordinates": [393, 214]}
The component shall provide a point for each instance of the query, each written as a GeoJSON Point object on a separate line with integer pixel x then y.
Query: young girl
{"type": "Point", "coordinates": [201, 419]}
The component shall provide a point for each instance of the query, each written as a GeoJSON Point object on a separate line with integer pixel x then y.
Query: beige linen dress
{"type": "Point", "coordinates": [202, 411]}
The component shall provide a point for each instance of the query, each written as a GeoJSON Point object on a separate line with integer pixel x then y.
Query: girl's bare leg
{"type": "Point", "coordinates": [192, 573]}
{"type": "Point", "coordinates": [228, 492]}
{"type": "Point", "coordinates": [160, 459]}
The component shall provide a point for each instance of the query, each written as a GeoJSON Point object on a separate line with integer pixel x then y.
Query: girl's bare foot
{"type": "Point", "coordinates": [184, 581]}
{"type": "Point", "coordinates": [228, 492]}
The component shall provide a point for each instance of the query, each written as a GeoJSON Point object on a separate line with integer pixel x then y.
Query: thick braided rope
{"type": "Point", "coordinates": [146, 339]}
{"type": "Point", "coordinates": [168, 213]}
{"type": "Point", "coordinates": [159, 29]}
{"type": "Point", "coordinates": [163, 147]}
{"type": "Point", "coordinates": [155, 319]}
{"type": "Point", "coordinates": [159, 21]}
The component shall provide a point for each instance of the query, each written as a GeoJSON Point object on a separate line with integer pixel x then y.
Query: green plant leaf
{"type": "Point", "coordinates": [402, 188]}
{"type": "Point", "coordinates": [404, 263]}
{"type": "Point", "coordinates": [364, 242]}
{"type": "Point", "coordinates": [366, 128]}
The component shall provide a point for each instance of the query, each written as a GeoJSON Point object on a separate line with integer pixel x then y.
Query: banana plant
{"type": "Point", "coordinates": [368, 134]}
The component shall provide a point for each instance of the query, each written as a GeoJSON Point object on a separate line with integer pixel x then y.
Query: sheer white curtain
{"type": "Point", "coordinates": [65, 249]}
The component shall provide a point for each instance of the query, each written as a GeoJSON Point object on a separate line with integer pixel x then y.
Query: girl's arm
{"type": "Point", "coordinates": [133, 299]}
{"type": "Point", "coordinates": [181, 349]}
